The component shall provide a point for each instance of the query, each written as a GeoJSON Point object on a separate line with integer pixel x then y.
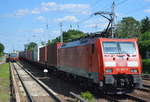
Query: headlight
{"type": "Point", "coordinates": [134, 70]}
{"type": "Point", "coordinates": [108, 70]}
{"type": "Point", "coordinates": [110, 64]}
{"type": "Point", "coordinates": [132, 64]}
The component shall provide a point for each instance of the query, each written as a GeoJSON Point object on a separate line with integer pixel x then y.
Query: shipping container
{"type": "Point", "coordinates": [36, 53]}
{"type": "Point", "coordinates": [77, 60]}
{"type": "Point", "coordinates": [43, 55]}
{"type": "Point", "coordinates": [29, 55]}
{"type": "Point", "coordinates": [53, 54]}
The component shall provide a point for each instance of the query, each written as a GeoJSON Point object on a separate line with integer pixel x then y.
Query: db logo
{"type": "Point", "coordinates": [121, 69]}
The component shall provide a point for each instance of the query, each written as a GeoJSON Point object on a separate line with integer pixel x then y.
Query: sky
{"type": "Point", "coordinates": [24, 21]}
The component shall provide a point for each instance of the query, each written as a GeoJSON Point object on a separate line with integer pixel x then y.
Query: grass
{"type": "Point", "coordinates": [4, 83]}
{"type": "Point", "coordinates": [1, 59]}
{"type": "Point", "coordinates": [88, 96]}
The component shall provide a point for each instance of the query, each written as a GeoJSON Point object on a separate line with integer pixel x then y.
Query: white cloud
{"type": "Point", "coordinates": [147, 10]}
{"type": "Point", "coordinates": [36, 30]}
{"type": "Point", "coordinates": [73, 8]}
{"type": "Point", "coordinates": [93, 25]}
{"type": "Point", "coordinates": [22, 12]}
{"type": "Point", "coordinates": [35, 11]}
{"type": "Point", "coordinates": [39, 30]}
{"type": "Point", "coordinates": [53, 7]}
{"type": "Point", "coordinates": [40, 18]}
{"type": "Point", "coordinates": [67, 18]}
{"type": "Point", "coordinates": [48, 4]}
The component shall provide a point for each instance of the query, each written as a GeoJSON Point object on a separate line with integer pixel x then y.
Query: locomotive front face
{"type": "Point", "coordinates": [120, 57]}
{"type": "Point", "coordinates": [121, 65]}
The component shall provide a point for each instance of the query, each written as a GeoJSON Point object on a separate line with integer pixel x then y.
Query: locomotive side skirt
{"type": "Point", "coordinates": [81, 72]}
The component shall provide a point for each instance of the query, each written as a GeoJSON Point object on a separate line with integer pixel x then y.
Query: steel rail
{"type": "Point", "coordinates": [135, 98]}
{"type": "Point", "coordinates": [146, 76]}
{"type": "Point", "coordinates": [46, 88]}
{"type": "Point", "coordinates": [30, 98]}
{"type": "Point", "coordinates": [14, 85]}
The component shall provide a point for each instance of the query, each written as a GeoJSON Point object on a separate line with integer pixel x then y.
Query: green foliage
{"type": "Point", "coordinates": [72, 34]}
{"type": "Point", "coordinates": [49, 42]}
{"type": "Point", "coordinates": [144, 46]}
{"type": "Point", "coordinates": [43, 43]}
{"type": "Point", "coordinates": [145, 25]}
{"type": "Point", "coordinates": [1, 49]}
{"type": "Point", "coordinates": [88, 96]}
{"type": "Point", "coordinates": [144, 36]}
{"type": "Point", "coordinates": [56, 40]}
{"type": "Point", "coordinates": [146, 66]}
{"type": "Point", "coordinates": [144, 43]}
{"type": "Point", "coordinates": [4, 80]}
{"type": "Point", "coordinates": [128, 27]}
{"type": "Point", "coordinates": [31, 46]}
{"type": "Point", "coordinates": [69, 35]}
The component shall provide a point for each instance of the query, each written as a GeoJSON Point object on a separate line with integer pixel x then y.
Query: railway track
{"type": "Point", "coordinates": [140, 95]}
{"type": "Point", "coordinates": [146, 76]}
{"type": "Point", "coordinates": [29, 89]}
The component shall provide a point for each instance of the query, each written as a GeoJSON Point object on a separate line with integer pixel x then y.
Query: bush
{"type": "Point", "coordinates": [88, 96]}
{"type": "Point", "coordinates": [146, 66]}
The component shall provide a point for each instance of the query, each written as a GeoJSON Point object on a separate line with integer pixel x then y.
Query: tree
{"type": "Point", "coordinates": [43, 43]}
{"type": "Point", "coordinates": [1, 49]}
{"type": "Point", "coordinates": [144, 43]}
{"type": "Point", "coordinates": [145, 25]}
{"type": "Point", "coordinates": [144, 36]}
{"type": "Point", "coordinates": [31, 46]}
{"type": "Point", "coordinates": [49, 42]}
{"type": "Point", "coordinates": [128, 27]}
{"type": "Point", "coordinates": [72, 34]}
{"type": "Point", "coordinates": [69, 35]}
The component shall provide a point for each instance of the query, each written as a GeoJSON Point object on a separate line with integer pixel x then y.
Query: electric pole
{"type": "Point", "coordinates": [113, 20]}
{"type": "Point", "coordinates": [61, 36]}
{"type": "Point", "coordinates": [71, 26]}
{"type": "Point", "coordinates": [110, 16]}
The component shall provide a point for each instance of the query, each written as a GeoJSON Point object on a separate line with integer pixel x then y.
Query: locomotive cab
{"type": "Point", "coordinates": [13, 57]}
{"type": "Point", "coordinates": [120, 64]}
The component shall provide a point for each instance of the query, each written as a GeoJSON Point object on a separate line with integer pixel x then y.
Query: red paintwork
{"type": "Point", "coordinates": [13, 59]}
{"type": "Point", "coordinates": [29, 55]}
{"type": "Point", "coordinates": [43, 55]}
{"type": "Point", "coordinates": [81, 57]}
{"type": "Point", "coordinates": [121, 67]}
{"type": "Point", "coordinates": [52, 54]}
{"type": "Point", "coordinates": [89, 57]}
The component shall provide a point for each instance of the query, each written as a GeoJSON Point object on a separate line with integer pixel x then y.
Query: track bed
{"type": "Point", "coordinates": [63, 86]}
{"type": "Point", "coordinates": [27, 89]}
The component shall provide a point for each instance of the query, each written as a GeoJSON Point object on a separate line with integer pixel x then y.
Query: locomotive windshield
{"type": "Point", "coordinates": [119, 48]}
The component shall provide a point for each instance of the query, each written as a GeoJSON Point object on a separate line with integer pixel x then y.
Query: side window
{"type": "Point", "coordinates": [93, 48]}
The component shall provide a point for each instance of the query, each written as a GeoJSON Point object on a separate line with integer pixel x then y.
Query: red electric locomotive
{"type": "Point", "coordinates": [13, 57]}
{"type": "Point", "coordinates": [112, 64]}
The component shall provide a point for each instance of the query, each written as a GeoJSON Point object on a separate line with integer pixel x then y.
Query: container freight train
{"type": "Point", "coordinates": [105, 63]}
